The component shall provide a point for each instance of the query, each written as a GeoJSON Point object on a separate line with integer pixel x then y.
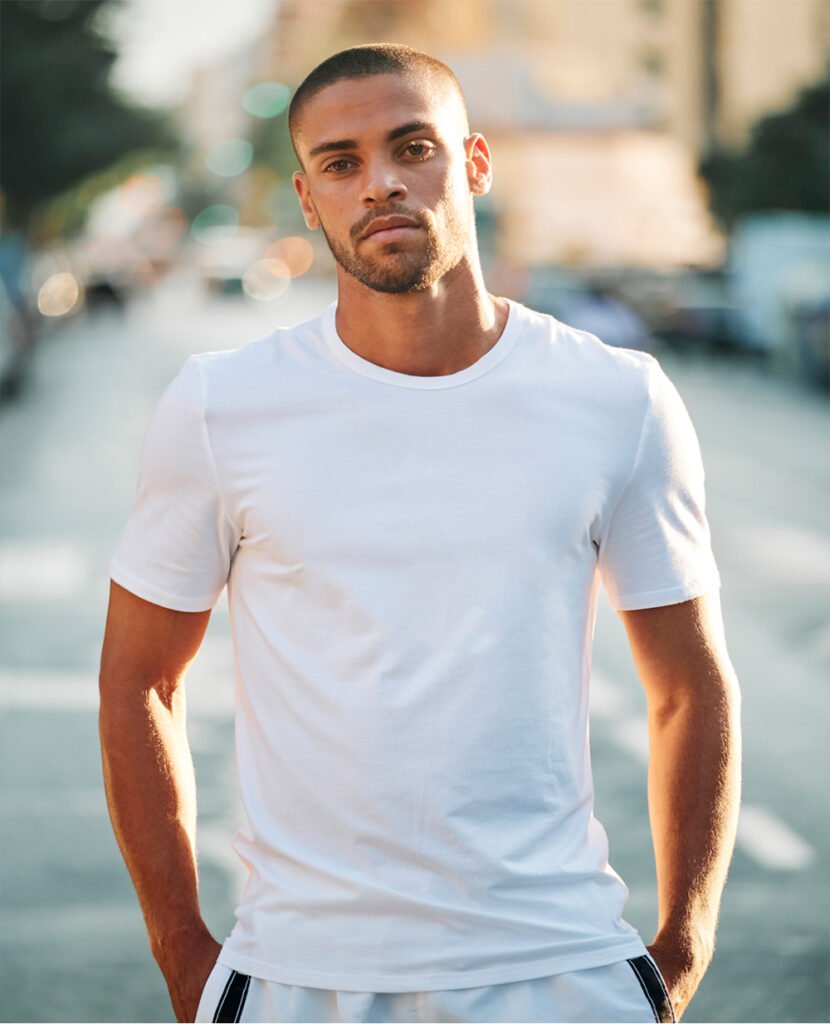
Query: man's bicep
{"type": "Point", "coordinates": [147, 645]}
{"type": "Point", "coordinates": [679, 647]}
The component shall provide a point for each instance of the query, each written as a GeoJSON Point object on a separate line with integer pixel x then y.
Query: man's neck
{"type": "Point", "coordinates": [431, 333]}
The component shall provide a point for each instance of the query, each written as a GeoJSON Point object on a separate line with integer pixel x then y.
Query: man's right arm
{"type": "Point", "coordinates": [150, 785]}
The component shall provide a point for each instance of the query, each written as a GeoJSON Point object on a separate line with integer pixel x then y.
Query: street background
{"type": "Point", "coordinates": [606, 118]}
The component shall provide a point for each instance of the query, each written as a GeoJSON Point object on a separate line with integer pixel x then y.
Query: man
{"type": "Point", "coordinates": [412, 499]}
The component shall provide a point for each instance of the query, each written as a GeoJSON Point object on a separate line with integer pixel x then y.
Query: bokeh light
{"type": "Point", "coordinates": [215, 224]}
{"type": "Point", "coordinates": [268, 99]}
{"type": "Point", "coordinates": [229, 158]}
{"type": "Point", "coordinates": [295, 252]}
{"type": "Point", "coordinates": [266, 280]}
{"type": "Point", "coordinates": [59, 294]}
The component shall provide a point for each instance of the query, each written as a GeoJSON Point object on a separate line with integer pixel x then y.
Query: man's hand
{"type": "Point", "coordinates": [186, 970]}
{"type": "Point", "coordinates": [682, 967]}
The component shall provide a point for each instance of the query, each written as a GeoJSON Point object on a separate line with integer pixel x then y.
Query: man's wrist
{"type": "Point", "coordinates": [171, 942]}
{"type": "Point", "coordinates": [692, 942]}
{"type": "Point", "coordinates": [682, 956]}
{"type": "Point", "coordinates": [187, 967]}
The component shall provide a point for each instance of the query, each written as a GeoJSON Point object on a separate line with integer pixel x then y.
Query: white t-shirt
{"type": "Point", "coordinates": [412, 567]}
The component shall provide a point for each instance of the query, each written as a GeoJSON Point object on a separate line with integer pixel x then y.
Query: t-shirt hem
{"type": "Point", "coordinates": [149, 592]}
{"type": "Point", "coordinates": [660, 598]}
{"type": "Point", "coordinates": [353, 982]}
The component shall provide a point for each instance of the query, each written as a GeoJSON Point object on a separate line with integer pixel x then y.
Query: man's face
{"type": "Point", "coordinates": [389, 173]}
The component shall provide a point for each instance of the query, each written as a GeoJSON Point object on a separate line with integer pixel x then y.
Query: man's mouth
{"type": "Point", "coordinates": [389, 229]}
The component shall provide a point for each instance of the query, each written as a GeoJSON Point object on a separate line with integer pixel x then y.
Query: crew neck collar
{"type": "Point", "coordinates": [358, 364]}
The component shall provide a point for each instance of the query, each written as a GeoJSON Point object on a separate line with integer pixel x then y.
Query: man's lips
{"type": "Point", "coordinates": [390, 227]}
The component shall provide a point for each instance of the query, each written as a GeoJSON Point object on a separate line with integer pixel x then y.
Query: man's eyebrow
{"type": "Point", "coordinates": [406, 129]}
{"type": "Point", "coordinates": [329, 147]}
{"type": "Point", "coordinates": [396, 133]}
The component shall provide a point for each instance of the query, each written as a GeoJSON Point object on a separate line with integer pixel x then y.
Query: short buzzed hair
{"type": "Point", "coordinates": [362, 62]}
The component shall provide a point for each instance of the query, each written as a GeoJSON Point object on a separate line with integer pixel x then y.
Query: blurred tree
{"type": "Point", "coordinates": [784, 166]}
{"type": "Point", "coordinates": [273, 150]}
{"type": "Point", "coordinates": [60, 120]}
{"type": "Point", "coordinates": [272, 145]}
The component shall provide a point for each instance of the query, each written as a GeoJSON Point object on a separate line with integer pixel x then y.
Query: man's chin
{"type": "Point", "coordinates": [398, 271]}
{"type": "Point", "coordinates": [389, 282]}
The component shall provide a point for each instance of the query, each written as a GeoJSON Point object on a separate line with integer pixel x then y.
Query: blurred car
{"type": "Point", "coordinates": [700, 314]}
{"type": "Point", "coordinates": [591, 306]}
{"type": "Point", "coordinates": [110, 269]}
{"type": "Point", "coordinates": [223, 262]}
{"type": "Point", "coordinates": [551, 290]}
{"type": "Point", "coordinates": [811, 327]}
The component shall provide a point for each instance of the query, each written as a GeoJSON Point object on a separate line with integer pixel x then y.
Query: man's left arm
{"type": "Point", "coordinates": [693, 778]}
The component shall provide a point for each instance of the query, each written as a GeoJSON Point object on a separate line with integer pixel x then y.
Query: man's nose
{"type": "Point", "coordinates": [382, 184]}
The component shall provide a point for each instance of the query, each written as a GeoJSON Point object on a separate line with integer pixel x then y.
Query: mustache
{"type": "Point", "coordinates": [393, 210]}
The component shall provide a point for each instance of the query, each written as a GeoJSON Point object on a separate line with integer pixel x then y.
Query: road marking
{"type": "Point", "coordinates": [607, 700]}
{"type": "Point", "coordinates": [631, 735]}
{"type": "Point", "coordinates": [779, 552]}
{"type": "Point", "coordinates": [770, 842]}
{"type": "Point", "coordinates": [35, 570]}
{"type": "Point", "coordinates": [51, 803]}
{"type": "Point", "coordinates": [210, 694]}
{"type": "Point", "coordinates": [50, 691]}
{"type": "Point", "coordinates": [761, 835]}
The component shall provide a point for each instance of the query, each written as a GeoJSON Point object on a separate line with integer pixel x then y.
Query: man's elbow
{"type": "Point", "coordinates": [713, 694]}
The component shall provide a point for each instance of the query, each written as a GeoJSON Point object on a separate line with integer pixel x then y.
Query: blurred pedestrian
{"type": "Point", "coordinates": [412, 498]}
{"type": "Point", "coordinates": [17, 317]}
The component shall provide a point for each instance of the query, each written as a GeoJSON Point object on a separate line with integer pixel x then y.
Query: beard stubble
{"type": "Point", "coordinates": [399, 269]}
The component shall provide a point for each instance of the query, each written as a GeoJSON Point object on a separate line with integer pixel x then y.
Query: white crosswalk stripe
{"type": "Point", "coordinates": [772, 843]}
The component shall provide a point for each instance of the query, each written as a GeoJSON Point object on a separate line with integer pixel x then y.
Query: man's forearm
{"type": "Point", "coordinates": [149, 781]}
{"type": "Point", "coordinates": [150, 787]}
{"type": "Point", "coordinates": [694, 793]}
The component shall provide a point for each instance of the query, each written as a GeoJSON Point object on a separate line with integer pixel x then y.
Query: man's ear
{"type": "Point", "coordinates": [300, 182]}
{"type": "Point", "coordinates": [479, 164]}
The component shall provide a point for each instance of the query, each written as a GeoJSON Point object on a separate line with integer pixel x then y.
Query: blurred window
{"type": "Point", "coordinates": [652, 63]}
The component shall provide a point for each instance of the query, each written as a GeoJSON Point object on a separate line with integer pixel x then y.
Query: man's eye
{"type": "Point", "coordinates": [338, 165]}
{"type": "Point", "coordinates": [420, 150]}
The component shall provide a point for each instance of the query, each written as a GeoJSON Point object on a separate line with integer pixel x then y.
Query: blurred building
{"type": "Point", "coordinates": [597, 110]}
{"type": "Point", "coordinates": [211, 114]}
{"type": "Point", "coordinates": [767, 50]}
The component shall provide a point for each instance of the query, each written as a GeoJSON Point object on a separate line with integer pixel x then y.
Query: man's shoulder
{"type": "Point", "coordinates": [227, 369]}
{"type": "Point", "coordinates": [584, 356]}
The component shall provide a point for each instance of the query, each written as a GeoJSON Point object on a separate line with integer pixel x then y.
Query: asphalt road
{"type": "Point", "coordinates": [73, 945]}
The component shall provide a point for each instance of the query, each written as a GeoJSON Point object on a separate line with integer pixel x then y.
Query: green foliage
{"type": "Point", "coordinates": [272, 145]}
{"type": "Point", "coordinates": [784, 166]}
{"type": "Point", "coordinates": [61, 122]}
{"type": "Point", "coordinates": [272, 149]}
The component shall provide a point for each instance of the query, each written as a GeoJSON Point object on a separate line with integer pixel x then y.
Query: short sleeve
{"type": "Point", "coordinates": [178, 542]}
{"type": "Point", "coordinates": [656, 548]}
